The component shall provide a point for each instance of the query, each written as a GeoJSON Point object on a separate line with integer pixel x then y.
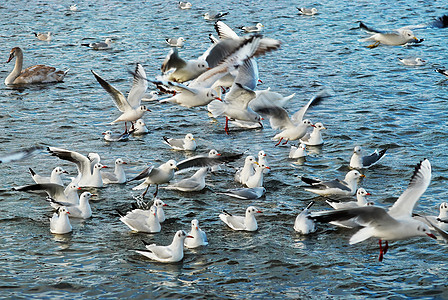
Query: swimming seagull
{"type": "Point", "coordinates": [307, 11]}
{"type": "Point", "coordinates": [211, 16]}
{"type": "Point", "coordinates": [34, 74]}
{"type": "Point", "coordinates": [140, 221]}
{"type": "Point", "coordinates": [20, 154]}
{"type": "Point", "coordinates": [315, 137]}
{"type": "Point", "coordinates": [243, 174]}
{"type": "Point", "coordinates": [59, 223]}
{"type": "Point", "coordinates": [140, 127]}
{"type": "Point", "coordinates": [194, 183]}
{"type": "Point", "coordinates": [167, 254]}
{"type": "Point", "coordinates": [184, 5]}
{"type": "Point", "coordinates": [199, 238]}
{"type": "Point", "coordinates": [43, 36]}
{"type": "Point", "coordinates": [80, 210]}
{"type": "Point", "coordinates": [396, 223]}
{"type": "Point", "coordinates": [159, 204]}
{"type": "Point", "coordinates": [110, 136]}
{"type": "Point", "coordinates": [88, 175]}
{"type": "Point", "coordinates": [303, 224]}
{"type": "Point", "coordinates": [262, 160]}
{"type": "Point", "coordinates": [441, 220]}
{"type": "Point", "coordinates": [55, 176]}
{"type": "Point", "coordinates": [297, 151]}
{"type": "Point", "coordinates": [130, 107]}
{"type": "Point", "coordinates": [107, 44]}
{"type": "Point", "coordinates": [246, 193]}
{"type": "Point", "coordinates": [256, 180]}
{"type": "Point", "coordinates": [188, 143]}
{"type": "Point", "coordinates": [118, 176]}
{"type": "Point", "coordinates": [345, 187]}
{"type": "Point", "coordinates": [256, 28]}
{"type": "Point", "coordinates": [175, 42]}
{"type": "Point", "coordinates": [358, 161]}
{"type": "Point", "coordinates": [246, 223]}
{"type": "Point", "coordinates": [294, 127]}
{"type": "Point", "coordinates": [412, 61]}
{"type": "Point", "coordinates": [361, 201]}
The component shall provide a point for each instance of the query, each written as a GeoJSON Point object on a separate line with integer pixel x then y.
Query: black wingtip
{"type": "Point", "coordinates": [120, 213]}
{"type": "Point", "coordinates": [226, 212]}
{"type": "Point", "coordinates": [32, 172]}
{"type": "Point", "coordinates": [309, 181]}
{"type": "Point", "coordinates": [165, 139]}
{"type": "Point", "coordinates": [145, 242]}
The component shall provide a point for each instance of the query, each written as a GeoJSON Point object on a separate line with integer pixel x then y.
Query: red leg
{"type": "Point", "coordinates": [281, 139]}
{"type": "Point", "coordinates": [285, 142]}
{"type": "Point", "coordinates": [380, 257]}
{"type": "Point", "coordinates": [144, 193]}
{"type": "Point", "coordinates": [157, 190]}
{"type": "Point", "coordinates": [386, 247]}
{"type": "Point", "coordinates": [226, 128]}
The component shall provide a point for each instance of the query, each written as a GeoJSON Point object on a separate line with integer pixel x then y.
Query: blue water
{"type": "Point", "coordinates": [375, 102]}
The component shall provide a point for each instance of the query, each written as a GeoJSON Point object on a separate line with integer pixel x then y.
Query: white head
{"type": "Point", "coordinates": [108, 41]}
{"type": "Point", "coordinates": [73, 186]}
{"type": "Point", "coordinates": [119, 161]}
{"type": "Point", "coordinates": [98, 167]}
{"type": "Point", "coordinates": [159, 203]}
{"type": "Point", "coordinates": [259, 25]}
{"type": "Point", "coordinates": [140, 123]}
{"type": "Point", "coordinates": [250, 160]}
{"type": "Point", "coordinates": [362, 192]}
{"type": "Point", "coordinates": [85, 196]}
{"type": "Point", "coordinates": [319, 126]}
{"type": "Point", "coordinates": [261, 153]}
{"type": "Point", "coordinates": [407, 34]}
{"type": "Point", "coordinates": [143, 108]}
{"type": "Point", "coordinates": [180, 236]}
{"type": "Point", "coordinates": [59, 170]}
{"type": "Point", "coordinates": [189, 137]}
{"type": "Point", "coordinates": [252, 210]}
{"type": "Point", "coordinates": [444, 208]}
{"type": "Point", "coordinates": [307, 123]}
{"type": "Point", "coordinates": [357, 150]}
{"type": "Point", "coordinates": [194, 224]}
{"type": "Point", "coordinates": [171, 164]}
{"type": "Point", "coordinates": [107, 133]}
{"type": "Point", "coordinates": [180, 40]}
{"type": "Point", "coordinates": [213, 153]}
{"type": "Point", "coordinates": [353, 175]}
{"type": "Point", "coordinates": [63, 211]}
{"type": "Point", "coordinates": [153, 210]}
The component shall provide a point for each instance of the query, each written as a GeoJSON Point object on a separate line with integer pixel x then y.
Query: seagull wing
{"type": "Point", "coordinates": [118, 97]}
{"type": "Point", "coordinates": [206, 161]}
{"type": "Point", "coordinates": [139, 86]}
{"type": "Point", "coordinates": [298, 116]}
{"type": "Point", "coordinates": [81, 161]}
{"type": "Point", "coordinates": [419, 183]}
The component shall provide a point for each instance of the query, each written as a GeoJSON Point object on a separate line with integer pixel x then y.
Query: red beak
{"type": "Point", "coordinates": [432, 236]}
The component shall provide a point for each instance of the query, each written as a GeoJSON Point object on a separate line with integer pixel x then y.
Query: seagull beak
{"type": "Point", "coordinates": [104, 167]}
{"type": "Point", "coordinates": [217, 98]}
{"type": "Point", "coordinates": [79, 188]}
{"type": "Point", "coordinates": [368, 194]}
{"type": "Point", "coordinates": [93, 195]}
{"type": "Point", "coordinates": [256, 163]}
{"type": "Point", "coordinates": [103, 133]}
{"type": "Point", "coordinates": [197, 228]}
{"type": "Point", "coordinates": [189, 236]}
{"type": "Point", "coordinates": [165, 204]}
{"type": "Point", "coordinates": [65, 172]}
{"type": "Point", "coordinates": [432, 236]}
{"type": "Point", "coordinates": [267, 167]}
{"type": "Point", "coordinates": [124, 163]}
{"type": "Point", "coordinates": [260, 81]}
{"type": "Point", "coordinates": [313, 125]}
{"type": "Point", "coordinates": [416, 39]}
{"type": "Point", "coordinates": [362, 176]}
{"type": "Point", "coordinates": [148, 109]}
{"type": "Point", "coordinates": [68, 212]}
{"type": "Point", "coordinates": [259, 211]}
{"type": "Point", "coordinates": [218, 154]}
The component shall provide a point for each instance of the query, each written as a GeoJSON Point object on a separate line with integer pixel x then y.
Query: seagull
{"type": "Point", "coordinates": [263, 161]}
{"type": "Point", "coordinates": [247, 223]}
{"type": "Point", "coordinates": [243, 174]}
{"type": "Point", "coordinates": [358, 161]}
{"type": "Point", "coordinates": [142, 222]}
{"type": "Point", "coordinates": [188, 143]}
{"type": "Point", "coordinates": [43, 36]}
{"type": "Point", "coordinates": [73, 7]}
{"type": "Point", "coordinates": [59, 223]}
{"type": "Point", "coordinates": [110, 136]}
{"type": "Point", "coordinates": [256, 28]}
{"type": "Point", "coordinates": [159, 204]}
{"type": "Point", "coordinates": [211, 16]}
{"type": "Point", "coordinates": [107, 44]}
{"type": "Point", "coordinates": [298, 152]}
{"type": "Point", "coordinates": [55, 176]}
{"type": "Point", "coordinates": [307, 11]}
{"type": "Point", "coordinates": [194, 183]}
{"type": "Point", "coordinates": [151, 96]}
{"type": "Point", "coordinates": [88, 176]}
{"type": "Point", "coordinates": [246, 193]}
{"type": "Point", "coordinates": [199, 238]}
{"type": "Point", "coordinates": [20, 154]}
{"type": "Point", "coordinates": [315, 137]}
{"type": "Point", "coordinates": [184, 5]}
{"type": "Point", "coordinates": [167, 254]}
{"type": "Point", "coordinates": [397, 37]}
{"type": "Point", "coordinates": [412, 61]}
{"type": "Point", "coordinates": [442, 71]}
{"type": "Point", "coordinates": [293, 128]}
{"type": "Point", "coordinates": [361, 201]}
{"type": "Point", "coordinates": [81, 210]}
{"type": "Point", "coordinates": [183, 70]}
{"type": "Point", "coordinates": [256, 180]}
{"type": "Point", "coordinates": [268, 96]}
{"type": "Point", "coordinates": [54, 191]}
{"type": "Point", "coordinates": [175, 42]}
{"type": "Point", "coordinates": [303, 224]}
{"type": "Point", "coordinates": [140, 127]}
{"type": "Point", "coordinates": [396, 223]}
{"type": "Point", "coordinates": [346, 187]}
{"type": "Point", "coordinates": [131, 108]}
{"type": "Point", "coordinates": [212, 159]}
{"type": "Point", "coordinates": [118, 176]}
{"type": "Point", "coordinates": [160, 175]}
{"type": "Point", "coordinates": [440, 221]}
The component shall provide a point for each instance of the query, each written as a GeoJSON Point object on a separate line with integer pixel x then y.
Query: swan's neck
{"type": "Point", "coordinates": [17, 68]}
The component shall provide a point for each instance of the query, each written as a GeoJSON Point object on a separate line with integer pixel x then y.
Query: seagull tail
{"type": "Point", "coordinates": [216, 108]}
